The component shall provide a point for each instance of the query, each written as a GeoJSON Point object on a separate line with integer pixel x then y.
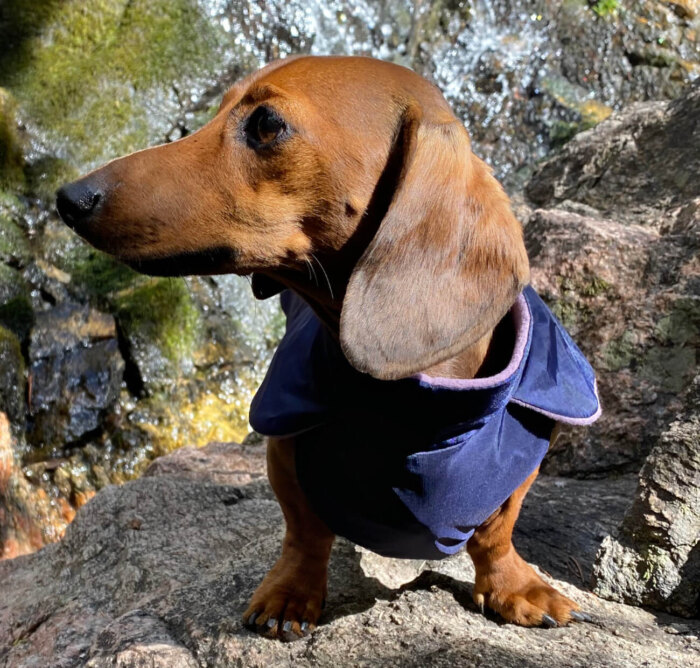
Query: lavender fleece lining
{"type": "Point", "coordinates": [581, 422]}
{"type": "Point", "coordinates": [521, 321]}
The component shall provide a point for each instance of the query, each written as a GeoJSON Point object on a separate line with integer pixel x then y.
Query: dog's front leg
{"type": "Point", "coordinates": [505, 582]}
{"type": "Point", "coordinates": [288, 602]}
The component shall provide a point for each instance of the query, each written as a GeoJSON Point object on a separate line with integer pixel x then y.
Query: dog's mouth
{"type": "Point", "coordinates": [207, 262]}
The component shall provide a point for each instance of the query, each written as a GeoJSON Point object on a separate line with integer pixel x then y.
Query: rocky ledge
{"type": "Point", "coordinates": [157, 572]}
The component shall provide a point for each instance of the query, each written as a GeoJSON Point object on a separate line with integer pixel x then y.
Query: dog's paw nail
{"type": "Point", "coordinates": [271, 623]}
{"type": "Point", "coordinates": [304, 627]}
{"type": "Point", "coordinates": [580, 616]}
{"type": "Point", "coordinates": [251, 619]}
{"type": "Point", "coordinates": [287, 626]}
{"type": "Point", "coordinates": [481, 603]}
{"type": "Point", "coordinates": [549, 621]}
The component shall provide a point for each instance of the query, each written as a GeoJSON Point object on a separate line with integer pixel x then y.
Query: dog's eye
{"type": "Point", "coordinates": [264, 126]}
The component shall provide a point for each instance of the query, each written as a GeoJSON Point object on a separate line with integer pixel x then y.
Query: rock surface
{"type": "Point", "coordinates": [29, 518]}
{"type": "Point", "coordinates": [76, 373]}
{"type": "Point", "coordinates": [654, 557]}
{"type": "Point", "coordinates": [157, 572]}
{"type": "Point", "coordinates": [632, 166]}
{"type": "Point", "coordinates": [615, 250]}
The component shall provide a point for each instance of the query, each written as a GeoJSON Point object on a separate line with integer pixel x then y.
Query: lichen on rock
{"type": "Point", "coordinates": [654, 557]}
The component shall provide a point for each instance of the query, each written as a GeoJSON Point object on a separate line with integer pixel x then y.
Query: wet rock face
{"type": "Point", "coordinates": [523, 74]}
{"type": "Point", "coordinates": [76, 372]}
{"type": "Point", "coordinates": [29, 518]}
{"type": "Point", "coordinates": [654, 557]}
{"type": "Point", "coordinates": [616, 256]}
{"type": "Point", "coordinates": [158, 572]}
{"type": "Point", "coordinates": [12, 384]}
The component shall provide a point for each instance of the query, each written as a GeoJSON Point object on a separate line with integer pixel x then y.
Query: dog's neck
{"type": "Point", "coordinates": [324, 291]}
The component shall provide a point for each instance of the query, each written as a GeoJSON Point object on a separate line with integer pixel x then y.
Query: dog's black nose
{"type": "Point", "coordinates": [76, 202]}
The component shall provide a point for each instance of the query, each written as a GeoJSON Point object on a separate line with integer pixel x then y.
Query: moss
{"type": "Point", "coordinates": [18, 316]}
{"type": "Point", "coordinates": [94, 274]}
{"type": "Point", "coordinates": [682, 325]}
{"type": "Point", "coordinates": [566, 313]}
{"type": "Point", "coordinates": [11, 149]}
{"type": "Point", "coordinates": [605, 8]}
{"type": "Point", "coordinates": [98, 273]}
{"type": "Point", "coordinates": [14, 246]}
{"type": "Point", "coordinates": [162, 312]}
{"type": "Point", "coordinates": [561, 132]}
{"type": "Point", "coordinates": [588, 112]}
{"type": "Point", "coordinates": [678, 333]}
{"type": "Point", "coordinates": [593, 112]}
{"type": "Point", "coordinates": [620, 353]}
{"type": "Point", "coordinates": [102, 275]}
{"type": "Point", "coordinates": [668, 368]}
{"type": "Point", "coordinates": [46, 174]}
{"type": "Point", "coordinates": [83, 71]}
{"type": "Point", "coordinates": [594, 286]}
{"type": "Point", "coordinates": [572, 307]}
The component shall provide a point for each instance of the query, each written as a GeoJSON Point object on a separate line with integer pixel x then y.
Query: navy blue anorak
{"type": "Point", "coordinates": [409, 468]}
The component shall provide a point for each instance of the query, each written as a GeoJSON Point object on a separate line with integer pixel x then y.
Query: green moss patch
{"type": "Point", "coordinates": [621, 352]}
{"type": "Point", "coordinates": [11, 149]}
{"type": "Point", "coordinates": [669, 368]}
{"type": "Point", "coordinates": [83, 71]}
{"type": "Point", "coordinates": [605, 8]}
{"type": "Point", "coordinates": [99, 274]}
{"type": "Point", "coordinates": [682, 325]}
{"type": "Point", "coordinates": [14, 246]}
{"type": "Point", "coordinates": [161, 313]}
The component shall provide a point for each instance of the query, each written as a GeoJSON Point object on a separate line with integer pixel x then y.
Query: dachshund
{"type": "Point", "coordinates": [420, 379]}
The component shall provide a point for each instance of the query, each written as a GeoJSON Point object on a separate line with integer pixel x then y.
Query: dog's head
{"type": "Point", "coordinates": [353, 161]}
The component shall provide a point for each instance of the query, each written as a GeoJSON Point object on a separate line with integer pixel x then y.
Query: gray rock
{"type": "Point", "coordinates": [222, 463]}
{"type": "Point", "coordinates": [632, 166]}
{"type": "Point", "coordinates": [15, 307]}
{"type": "Point", "coordinates": [158, 571]}
{"type": "Point", "coordinates": [654, 558]}
{"type": "Point", "coordinates": [630, 298]}
{"type": "Point", "coordinates": [615, 254]}
{"type": "Point", "coordinates": [76, 372]}
{"type": "Point", "coordinates": [12, 386]}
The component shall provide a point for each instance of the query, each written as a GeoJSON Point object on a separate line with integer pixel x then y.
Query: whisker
{"type": "Point", "coordinates": [328, 280]}
{"type": "Point", "coordinates": [312, 271]}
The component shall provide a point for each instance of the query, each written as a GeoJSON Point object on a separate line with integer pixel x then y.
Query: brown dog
{"type": "Point", "coordinates": [360, 167]}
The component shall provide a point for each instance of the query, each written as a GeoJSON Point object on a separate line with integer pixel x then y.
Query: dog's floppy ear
{"type": "Point", "coordinates": [445, 264]}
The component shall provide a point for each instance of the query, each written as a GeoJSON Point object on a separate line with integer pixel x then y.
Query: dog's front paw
{"type": "Point", "coordinates": [512, 588]}
{"type": "Point", "coordinates": [288, 602]}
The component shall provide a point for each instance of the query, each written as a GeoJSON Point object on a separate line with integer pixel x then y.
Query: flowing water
{"type": "Point", "coordinates": [101, 369]}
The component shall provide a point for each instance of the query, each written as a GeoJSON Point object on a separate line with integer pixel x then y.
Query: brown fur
{"type": "Point", "coordinates": [415, 251]}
